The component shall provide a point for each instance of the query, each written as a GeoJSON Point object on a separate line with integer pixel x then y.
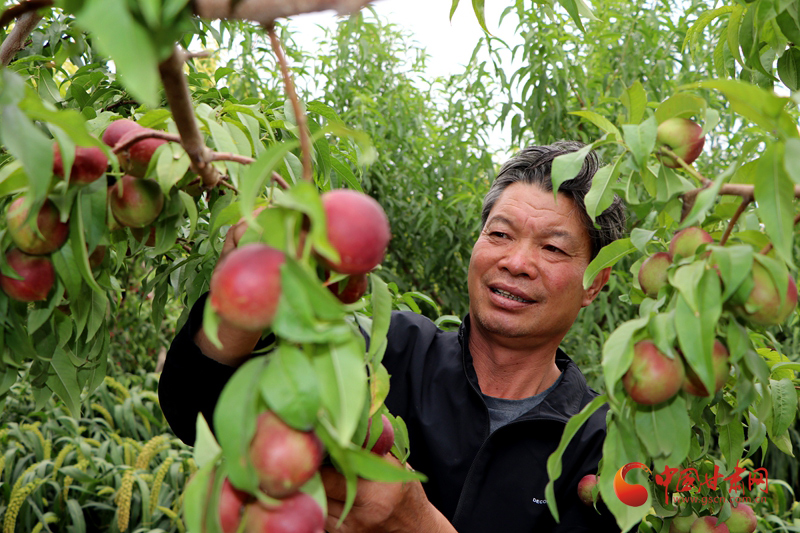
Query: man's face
{"type": "Point", "coordinates": [526, 270]}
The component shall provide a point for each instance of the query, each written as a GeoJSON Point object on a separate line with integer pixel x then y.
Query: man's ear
{"type": "Point", "coordinates": [594, 289]}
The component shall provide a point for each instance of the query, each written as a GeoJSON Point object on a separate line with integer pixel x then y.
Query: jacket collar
{"type": "Point", "coordinates": [563, 402]}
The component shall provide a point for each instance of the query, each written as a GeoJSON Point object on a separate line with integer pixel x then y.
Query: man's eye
{"type": "Point", "coordinates": [499, 234]}
{"type": "Point", "coordinates": [551, 248]}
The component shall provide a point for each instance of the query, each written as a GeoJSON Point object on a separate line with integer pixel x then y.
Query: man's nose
{"type": "Point", "coordinates": [520, 260]}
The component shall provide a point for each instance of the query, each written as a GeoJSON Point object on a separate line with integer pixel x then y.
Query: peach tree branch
{"type": "Point", "coordinates": [22, 9]}
{"type": "Point", "coordinates": [17, 37]}
{"type": "Point", "coordinates": [742, 206]}
{"type": "Point", "coordinates": [266, 11]}
{"type": "Point", "coordinates": [291, 93]}
{"type": "Point", "coordinates": [180, 102]}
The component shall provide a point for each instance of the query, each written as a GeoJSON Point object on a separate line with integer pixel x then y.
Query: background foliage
{"type": "Point", "coordinates": [429, 162]}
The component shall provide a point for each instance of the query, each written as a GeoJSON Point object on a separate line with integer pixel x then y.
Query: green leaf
{"type": "Point", "coordinates": [665, 429]}
{"type": "Point", "coordinates": [566, 166]}
{"type": "Point", "coordinates": [381, 317]}
{"type": "Point", "coordinates": [29, 145]}
{"type": "Point", "coordinates": [290, 387]}
{"type": "Point", "coordinates": [618, 352]}
{"type": "Point", "coordinates": [784, 406]}
{"type": "Point", "coordinates": [680, 105]}
{"type": "Point", "coordinates": [206, 449]}
{"type": "Point", "coordinates": [600, 121]}
{"type": "Point", "coordinates": [641, 139]}
{"type": "Point", "coordinates": [733, 264]}
{"type": "Point", "coordinates": [733, 32]}
{"type": "Point", "coordinates": [608, 256]}
{"type": "Point", "coordinates": [621, 446]}
{"type": "Point", "coordinates": [195, 499]}
{"type": "Point", "coordinates": [377, 468]}
{"type": "Point", "coordinates": [706, 199]}
{"type": "Point", "coordinates": [307, 311]}
{"type": "Point", "coordinates": [235, 422]}
{"type": "Point", "coordinates": [64, 382]}
{"type": "Point", "coordinates": [731, 435]}
{"type": "Point", "coordinates": [134, 56]}
{"type": "Point", "coordinates": [305, 198]}
{"type": "Point", "coordinates": [791, 159]}
{"type": "Point", "coordinates": [789, 68]}
{"type": "Point", "coordinates": [477, 7]}
{"type": "Point", "coordinates": [576, 8]}
{"type": "Point", "coordinates": [554, 467]}
{"type": "Point", "coordinates": [758, 105]}
{"type": "Point", "coordinates": [453, 7]}
{"type": "Point", "coordinates": [635, 101]}
{"type": "Point", "coordinates": [696, 327]}
{"type": "Point", "coordinates": [253, 181]}
{"type": "Point", "coordinates": [774, 194]}
{"type": "Point", "coordinates": [343, 386]}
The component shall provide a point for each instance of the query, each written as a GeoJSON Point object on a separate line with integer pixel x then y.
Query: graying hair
{"type": "Point", "coordinates": [532, 166]}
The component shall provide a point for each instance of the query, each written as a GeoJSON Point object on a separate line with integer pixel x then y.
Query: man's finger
{"type": "Point", "coordinates": [334, 482]}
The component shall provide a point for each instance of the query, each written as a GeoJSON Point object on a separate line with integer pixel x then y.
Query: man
{"type": "Point", "coordinates": [484, 406]}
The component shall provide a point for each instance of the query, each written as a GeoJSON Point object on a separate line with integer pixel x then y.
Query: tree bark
{"type": "Point", "coordinates": [180, 102]}
{"type": "Point", "coordinates": [19, 34]}
{"type": "Point", "coordinates": [266, 11]}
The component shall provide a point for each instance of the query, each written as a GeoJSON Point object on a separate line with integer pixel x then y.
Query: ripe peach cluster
{"type": "Point", "coordinates": [134, 202]}
{"type": "Point", "coordinates": [246, 285]}
{"type": "Point", "coordinates": [653, 376]}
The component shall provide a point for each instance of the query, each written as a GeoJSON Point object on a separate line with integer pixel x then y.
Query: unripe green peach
{"type": "Point", "coordinates": [136, 202]}
{"type": "Point", "coordinates": [653, 273]}
{"type": "Point", "coordinates": [52, 232]}
{"type": "Point", "coordinates": [653, 377]}
{"type": "Point", "coordinates": [585, 488]}
{"type": "Point", "coordinates": [686, 242]}
{"type": "Point", "coordinates": [37, 273]}
{"type": "Point", "coordinates": [683, 137]}
{"type": "Point", "coordinates": [763, 299]}
{"type": "Point", "coordinates": [708, 524]}
{"type": "Point", "coordinates": [742, 520]}
{"type": "Point", "coordinates": [682, 524]}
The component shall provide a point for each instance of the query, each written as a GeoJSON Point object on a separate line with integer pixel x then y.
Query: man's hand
{"type": "Point", "coordinates": [381, 507]}
{"type": "Point", "coordinates": [237, 343]}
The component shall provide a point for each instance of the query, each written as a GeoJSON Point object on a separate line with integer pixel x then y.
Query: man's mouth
{"type": "Point", "coordinates": [506, 294]}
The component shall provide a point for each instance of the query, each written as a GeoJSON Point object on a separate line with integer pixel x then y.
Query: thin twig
{"type": "Point", "coordinates": [742, 206]}
{"type": "Point", "coordinates": [277, 178]}
{"type": "Point", "coordinates": [120, 103]}
{"type": "Point", "coordinates": [21, 9]}
{"type": "Point", "coordinates": [686, 166]}
{"type": "Point", "coordinates": [299, 114]}
{"type": "Point", "coordinates": [180, 102]}
{"type": "Point", "coordinates": [228, 156]}
{"type": "Point", "coordinates": [266, 11]}
{"type": "Point", "coordinates": [17, 37]}
{"type": "Point", "coordinates": [224, 183]}
{"type": "Point", "coordinates": [129, 140]}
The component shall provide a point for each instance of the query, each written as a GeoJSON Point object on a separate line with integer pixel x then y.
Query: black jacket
{"type": "Point", "coordinates": [482, 483]}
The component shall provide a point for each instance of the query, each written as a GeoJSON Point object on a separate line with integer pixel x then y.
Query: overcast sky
{"type": "Point", "coordinates": [449, 44]}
